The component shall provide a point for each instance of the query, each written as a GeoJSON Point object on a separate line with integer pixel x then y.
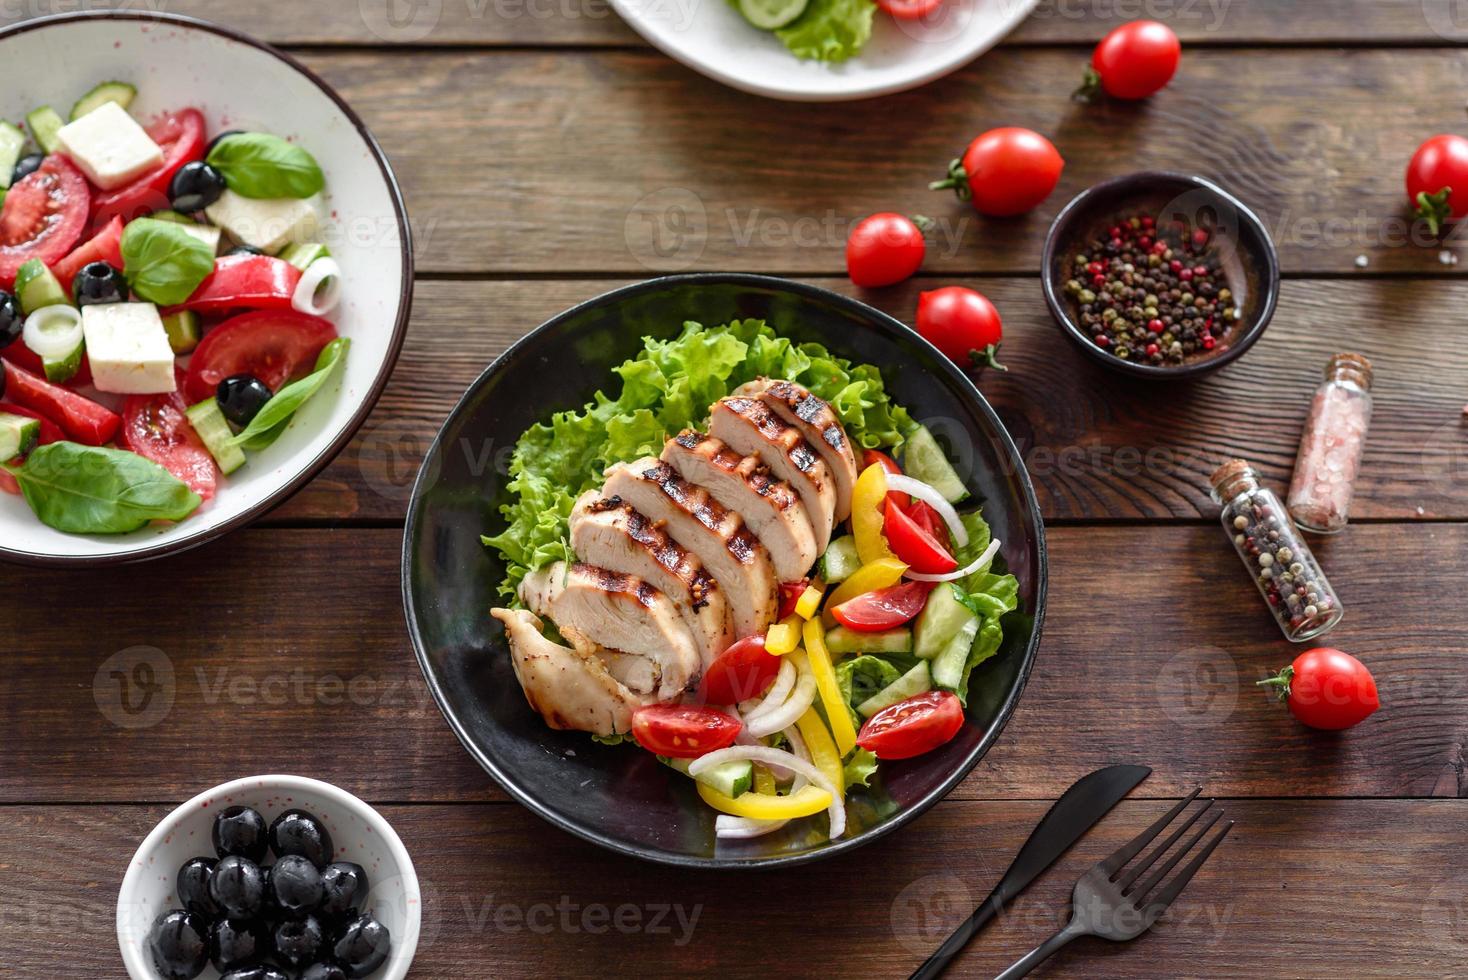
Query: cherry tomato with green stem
{"type": "Point", "coordinates": [885, 248]}
{"type": "Point", "coordinates": [963, 324]}
{"type": "Point", "coordinates": [1437, 181]}
{"type": "Point", "coordinates": [1005, 172]}
{"type": "Point", "coordinates": [1134, 61]}
{"type": "Point", "coordinates": [1327, 689]}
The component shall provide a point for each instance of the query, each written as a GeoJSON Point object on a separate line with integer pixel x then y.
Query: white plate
{"type": "Point", "coordinates": [711, 37]}
{"type": "Point", "coordinates": [237, 83]}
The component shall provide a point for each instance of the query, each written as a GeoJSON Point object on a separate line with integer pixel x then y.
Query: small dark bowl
{"type": "Point", "coordinates": [620, 797]}
{"type": "Point", "coordinates": [1250, 263]}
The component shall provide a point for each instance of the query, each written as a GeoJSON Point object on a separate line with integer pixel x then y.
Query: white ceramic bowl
{"type": "Point", "coordinates": [711, 37]}
{"type": "Point", "coordinates": [359, 833]}
{"type": "Point", "coordinates": [238, 83]}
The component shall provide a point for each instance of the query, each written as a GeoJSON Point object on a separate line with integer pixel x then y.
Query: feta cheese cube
{"type": "Point", "coordinates": [109, 146]}
{"type": "Point", "coordinates": [128, 348]}
{"type": "Point", "coordinates": [207, 234]}
{"type": "Point", "coordinates": [269, 225]}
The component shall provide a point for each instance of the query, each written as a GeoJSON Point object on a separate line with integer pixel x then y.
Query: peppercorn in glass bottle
{"type": "Point", "coordinates": [1287, 574]}
{"type": "Point", "coordinates": [1331, 446]}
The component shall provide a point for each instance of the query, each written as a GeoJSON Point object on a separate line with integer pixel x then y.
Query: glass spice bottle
{"type": "Point", "coordinates": [1331, 446]}
{"type": "Point", "coordinates": [1287, 574]}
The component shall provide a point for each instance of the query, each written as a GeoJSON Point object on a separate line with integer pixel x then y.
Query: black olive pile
{"type": "Point", "coordinates": [300, 917]}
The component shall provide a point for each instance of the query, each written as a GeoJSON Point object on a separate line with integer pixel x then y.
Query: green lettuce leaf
{"type": "Point", "coordinates": [830, 30]}
{"type": "Point", "coordinates": [859, 768]}
{"type": "Point", "coordinates": [862, 677]}
{"type": "Point", "coordinates": [987, 594]}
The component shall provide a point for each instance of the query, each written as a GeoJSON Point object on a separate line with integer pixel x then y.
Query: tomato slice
{"type": "Point", "coordinates": [43, 217]}
{"type": "Point", "coordinates": [914, 545]}
{"type": "Point", "coordinates": [181, 137]}
{"type": "Point", "coordinates": [910, 728]}
{"type": "Point", "coordinates": [790, 593]}
{"type": "Point", "coordinates": [105, 246]}
{"type": "Point", "coordinates": [909, 9]}
{"type": "Point", "coordinates": [741, 672]}
{"type": "Point", "coordinates": [80, 418]}
{"type": "Point", "coordinates": [273, 345]}
{"type": "Point", "coordinates": [925, 517]}
{"type": "Point", "coordinates": [155, 427]}
{"type": "Point", "coordinates": [884, 609]}
{"type": "Point", "coordinates": [50, 432]}
{"type": "Point", "coordinates": [259, 282]}
{"type": "Point", "coordinates": [683, 731]}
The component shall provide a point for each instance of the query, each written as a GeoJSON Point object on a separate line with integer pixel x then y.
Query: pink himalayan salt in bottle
{"type": "Point", "coordinates": [1331, 446]}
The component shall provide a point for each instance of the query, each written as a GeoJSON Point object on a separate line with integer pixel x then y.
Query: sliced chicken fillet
{"type": "Point", "coordinates": [745, 485]}
{"type": "Point", "coordinates": [821, 426]}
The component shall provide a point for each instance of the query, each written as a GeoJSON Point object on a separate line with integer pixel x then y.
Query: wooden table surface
{"type": "Point", "coordinates": [542, 147]}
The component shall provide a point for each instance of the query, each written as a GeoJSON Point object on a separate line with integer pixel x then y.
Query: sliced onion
{"type": "Point", "coordinates": [787, 714]}
{"type": "Point", "coordinates": [776, 695]}
{"type": "Point", "coordinates": [934, 499]}
{"type": "Point", "coordinates": [320, 288]}
{"type": "Point", "coordinates": [729, 827]}
{"type": "Point", "coordinates": [973, 566]}
{"type": "Point", "coordinates": [797, 745]}
{"type": "Point", "coordinates": [784, 760]}
{"type": "Point", "coordinates": [53, 331]}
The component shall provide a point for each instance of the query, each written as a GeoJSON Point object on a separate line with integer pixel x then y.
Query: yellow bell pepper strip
{"type": "Point", "coordinates": [764, 781]}
{"type": "Point", "coordinates": [810, 600]}
{"type": "Point", "coordinates": [765, 806]}
{"type": "Point", "coordinates": [823, 753]}
{"type": "Point", "coordinates": [880, 574]}
{"type": "Point", "coordinates": [783, 637]}
{"type": "Point", "coordinates": [835, 705]}
{"type": "Point", "coordinates": [867, 499]}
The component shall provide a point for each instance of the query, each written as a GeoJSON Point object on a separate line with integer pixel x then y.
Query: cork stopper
{"type": "Point", "coordinates": [1349, 366]}
{"type": "Point", "coordinates": [1232, 478]}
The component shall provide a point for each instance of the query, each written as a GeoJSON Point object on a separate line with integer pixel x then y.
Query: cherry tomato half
{"type": "Point", "coordinates": [963, 324]}
{"type": "Point", "coordinates": [918, 549]}
{"type": "Point", "coordinates": [683, 731]}
{"type": "Point", "coordinates": [273, 345]}
{"type": "Point", "coordinates": [1327, 689]}
{"type": "Point", "coordinates": [1135, 60]}
{"type": "Point", "coordinates": [925, 517]}
{"type": "Point", "coordinates": [1005, 171]}
{"type": "Point", "coordinates": [884, 609]}
{"type": "Point", "coordinates": [1437, 180]}
{"type": "Point", "coordinates": [909, 9]}
{"type": "Point", "coordinates": [790, 593]}
{"type": "Point", "coordinates": [44, 215]}
{"type": "Point", "coordinates": [912, 727]}
{"type": "Point", "coordinates": [741, 672]}
{"type": "Point", "coordinates": [180, 135]}
{"type": "Point", "coordinates": [155, 427]}
{"type": "Point", "coordinates": [871, 456]}
{"type": "Point", "coordinates": [884, 249]}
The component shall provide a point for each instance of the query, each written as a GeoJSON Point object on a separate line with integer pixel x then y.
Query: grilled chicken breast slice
{"type": "Point", "coordinates": [620, 612]}
{"type": "Point", "coordinates": [821, 426]}
{"type": "Point", "coordinates": [745, 485]}
{"type": "Point", "coordinates": [717, 535]}
{"type": "Point", "coordinates": [608, 532]}
{"type": "Point", "coordinates": [568, 688]}
{"type": "Point", "coordinates": [749, 426]}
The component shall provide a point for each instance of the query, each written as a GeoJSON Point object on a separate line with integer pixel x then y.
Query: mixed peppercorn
{"type": "Point", "coordinates": [1150, 295]}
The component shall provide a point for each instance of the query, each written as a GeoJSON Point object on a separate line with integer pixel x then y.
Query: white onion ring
{"type": "Point", "coordinates": [776, 695]}
{"type": "Point", "coordinates": [324, 272]}
{"type": "Point", "coordinates": [729, 827]}
{"type": "Point", "coordinates": [787, 714]}
{"type": "Point", "coordinates": [53, 331]}
{"type": "Point", "coordinates": [980, 562]}
{"type": "Point", "coordinates": [934, 499]}
{"type": "Point", "coordinates": [783, 760]}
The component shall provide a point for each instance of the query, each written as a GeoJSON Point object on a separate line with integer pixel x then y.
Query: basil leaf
{"type": "Point", "coordinates": [163, 263]}
{"type": "Point", "coordinates": [267, 426]}
{"type": "Point", "coordinates": [266, 166]}
{"type": "Point", "coordinates": [92, 490]}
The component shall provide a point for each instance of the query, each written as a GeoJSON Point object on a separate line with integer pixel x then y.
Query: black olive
{"type": "Point", "coordinates": [237, 944]}
{"type": "Point", "coordinates": [192, 885]}
{"type": "Point", "coordinates": [324, 971]}
{"type": "Point", "coordinates": [255, 973]}
{"type": "Point", "coordinates": [296, 885]}
{"type": "Point", "coordinates": [244, 250]}
{"type": "Point", "coordinates": [177, 945]}
{"type": "Point", "coordinates": [296, 831]}
{"type": "Point", "coordinates": [363, 946]}
{"type": "Point", "coordinates": [344, 886]}
{"type": "Point", "coordinates": [240, 397]}
{"type": "Point", "coordinates": [12, 321]}
{"type": "Point", "coordinates": [196, 186]}
{"type": "Point", "coordinates": [240, 830]}
{"type": "Point", "coordinates": [238, 885]}
{"type": "Point", "coordinates": [99, 282]}
{"type": "Point", "coordinates": [215, 141]}
{"type": "Point", "coordinates": [299, 941]}
{"type": "Point", "coordinates": [26, 166]}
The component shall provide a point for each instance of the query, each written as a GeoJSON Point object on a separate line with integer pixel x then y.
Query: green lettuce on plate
{"type": "Point", "coordinates": [830, 30]}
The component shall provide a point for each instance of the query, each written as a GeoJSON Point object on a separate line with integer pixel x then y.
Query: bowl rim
{"type": "Point", "coordinates": [404, 948]}
{"type": "Point", "coordinates": [908, 814]}
{"type": "Point", "coordinates": [1268, 258]}
{"type": "Point", "coordinates": [315, 465]}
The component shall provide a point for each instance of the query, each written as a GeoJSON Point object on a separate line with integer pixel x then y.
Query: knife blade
{"type": "Point", "coordinates": [1077, 811]}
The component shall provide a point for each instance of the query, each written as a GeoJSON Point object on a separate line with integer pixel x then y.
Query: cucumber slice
{"type": "Point", "coordinates": [910, 684]}
{"type": "Point", "coordinates": [55, 334]}
{"type": "Point", "coordinates": [44, 124]}
{"type": "Point", "coordinates": [209, 422]}
{"type": "Point", "coordinates": [18, 435]}
{"type": "Point", "coordinates": [943, 617]}
{"type": "Point", "coordinates": [183, 330]}
{"type": "Point", "coordinates": [302, 254]}
{"type": "Point", "coordinates": [120, 92]}
{"type": "Point", "coordinates": [12, 142]}
{"type": "Point", "coordinates": [768, 15]}
{"type": "Point", "coordinates": [65, 366]}
{"type": "Point", "coordinates": [36, 286]}
{"type": "Point", "coordinates": [923, 459]}
{"type": "Point", "coordinates": [949, 663]}
{"type": "Point", "coordinates": [840, 560]}
{"type": "Point", "coordinates": [732, 778]}
{"type": "Point", "coordinates": [841, 640]}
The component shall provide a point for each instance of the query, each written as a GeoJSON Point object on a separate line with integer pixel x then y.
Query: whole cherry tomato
{"type": "Point", "coordinates": [1134, 61]}
{"type": "Point", "coordinates": [963, 324]}
{"type": "Point", "coordinates": [1327, 689]}
{"type": "Point", "coordinates": [1437, 180]}
{"type": "Point", "coordinates": [1005, 171]}
{"type": "Point", "coordinates": [883, 249]}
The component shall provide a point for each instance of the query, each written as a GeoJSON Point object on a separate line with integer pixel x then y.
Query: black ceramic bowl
{"type": "Point", "coordinates": [621, 797]}
{"type": "Point", "coordinates": [1250, 263]}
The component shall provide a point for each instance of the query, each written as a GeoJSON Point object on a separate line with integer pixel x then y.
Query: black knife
{"type": "Point", "coordinates": [1085, 803]}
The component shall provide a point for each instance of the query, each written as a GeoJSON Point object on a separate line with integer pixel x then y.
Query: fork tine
{"type": "Point", "coordinates": [1175, 887]}
{"type": "Point", "coordinates": [1126, 852]}
{"type": "Point", "coordinates": [1141, 890]}
{"type": "Point", "coordinates": [1125, 881]}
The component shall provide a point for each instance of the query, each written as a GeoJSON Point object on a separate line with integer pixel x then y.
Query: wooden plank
{"type": "Point", "coordinates": [509, 168]}
{"type": "Point", "coordinates": [1281, 897]}
{"type": "Point", "coordinates": [285, 651]}
{"type": "Point", "coordinates": [1098, 446]}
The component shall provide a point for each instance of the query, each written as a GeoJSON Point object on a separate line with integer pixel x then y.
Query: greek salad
{"type": "Point", "coordinates": [726, 565]}
{"type": "Point", "coordinates": [164, 303]}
